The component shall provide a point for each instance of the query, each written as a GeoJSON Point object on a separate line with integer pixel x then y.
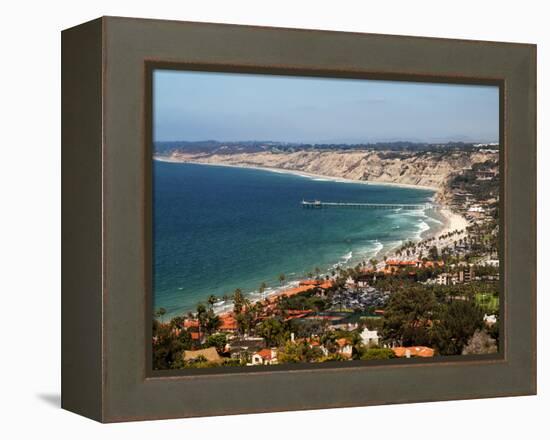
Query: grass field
{"type": "Point", "coordinates": [488, 302]}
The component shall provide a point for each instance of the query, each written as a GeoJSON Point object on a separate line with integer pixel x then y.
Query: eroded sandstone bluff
{"type": "Point", "coordinates": [430, 169]}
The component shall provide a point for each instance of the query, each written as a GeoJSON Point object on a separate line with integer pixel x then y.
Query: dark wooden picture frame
{"type": "Point", "coordinates": [106, 214]}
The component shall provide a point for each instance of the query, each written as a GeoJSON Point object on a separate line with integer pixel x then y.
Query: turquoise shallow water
{"type": "Point", "coordinates": [216, 229]}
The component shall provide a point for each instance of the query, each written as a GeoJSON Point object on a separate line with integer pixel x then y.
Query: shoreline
{"type": "Point", "coordinates": [453, 221]}
{"type": "Point", "coordinates": [450, 221]}
{"type": "Point", "coordinates": [301, 174]}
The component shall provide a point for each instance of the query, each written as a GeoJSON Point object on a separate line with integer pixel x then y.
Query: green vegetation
{"type": "Point", "coordinates": [377, 354]}
{"type": "Point", "coordinates": [480, 189]}
{"type": "Point", "coordinates": [456, 324]}
{"type": "Point", "coordinates": [408, 317]}
{"type": "Point", "coordinates": [273, 330]}
{"type": "Point", "coordinates": [218, 341]}
{"type": "Point", "coordinates": [299, 352]}
{"type": "Point", "coordinates": [305, 301]}
{"type": "Point", "coordinates": [489, 302]}
{"type": "Point", "coordinates": [169, 343]}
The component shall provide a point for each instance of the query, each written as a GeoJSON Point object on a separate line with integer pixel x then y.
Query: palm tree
{"type": "Point", "coordinates": [246, 303]}
{"type": "Point", "coordinates": [202, 317]}
{"type": "Point", "coordinates": [160, 314]}
{"type": "Point", "coordinates": [357, 343]}
{"type": "Point", "coordinates": [262, 288]}
{"type": "Point", "coordinates": [177, 322]}
{"type": "Point", "coordinates": [238, 300]}
{"type": "Point", "coordinates": [282, 278]}
{"type": "Point", "coordinates": [258, 309]}
{"type": "Point", "coordinates": [212, 322]}
{"type": "Point", "coordinates": [212, 300]}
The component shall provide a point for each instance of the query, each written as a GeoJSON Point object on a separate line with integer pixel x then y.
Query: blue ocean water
{"type": "Point", "coordinates": [216, 229]}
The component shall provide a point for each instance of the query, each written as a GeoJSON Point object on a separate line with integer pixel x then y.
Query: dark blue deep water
{"type": "Point", "coordinates": [218, 228]}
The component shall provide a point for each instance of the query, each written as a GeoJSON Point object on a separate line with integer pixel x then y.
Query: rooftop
{"type": "Point", "coordinates": [228, 322]}
{"type": "Point", "coordinates": [265, 353]}
{"type": "Point", "coordinates": [417, 351]}
{"type": "Point", "coordinates": [210, 354]}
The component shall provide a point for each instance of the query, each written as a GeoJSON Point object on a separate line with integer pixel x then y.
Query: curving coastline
{"type": "Point", "coordinates": [422, 170]}
{"type": "Point", "coordinates": [449, 220]}
{"type": "Point", "coordinates": [178, 159]}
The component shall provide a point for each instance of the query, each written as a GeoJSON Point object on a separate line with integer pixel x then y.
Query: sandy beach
{"type": "Point", "coordinates": [453, 221]}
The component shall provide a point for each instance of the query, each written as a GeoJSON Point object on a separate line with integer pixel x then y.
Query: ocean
{"type": "Point", "coordinates": [216, 229]}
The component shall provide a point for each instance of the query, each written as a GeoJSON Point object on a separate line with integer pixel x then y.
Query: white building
{"type": "Point", "coordinates": [266, 356]}
{"type": "Point", "coordinates": [350, 282]}
{"type": "Point", "coordinates": [446, 279]}
{"type": "Point", "coordinates": [476, 208]}
{"type": "Point", "coordinates": [369, 337]}
{"type": "Point", "coordinates": [344, 347]}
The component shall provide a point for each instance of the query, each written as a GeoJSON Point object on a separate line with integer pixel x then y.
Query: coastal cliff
{"type": "Point", "coordinates": [426, 168]}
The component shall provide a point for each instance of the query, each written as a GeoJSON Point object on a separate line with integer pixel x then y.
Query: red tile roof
{"type": "Point", "coordinates": [228, 323]}
{"type": "Point", "coordinates": [342, 342]}
{"type": "Point", "coordinates": [191, 323]}
{"type": "Point", "coordinates": [413, 351]}
{"type": "Point", "coordinates": [310, 282]}
{"type": "Point", "coordinates": [265, 353]}
{"type": "Point", "coordinates": [400, 263]}
{"type": "Point", "coordinates": [434, 263]}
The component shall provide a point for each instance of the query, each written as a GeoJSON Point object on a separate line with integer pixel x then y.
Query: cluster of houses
{"type": "Point", "coordinates": [252, 349]}
{"type": "Point", "coordinates": [472, 206]}
{"type": "Point", "coordinates": [461, 273]}
{"type": "Point", "coordinates": [391, 267]}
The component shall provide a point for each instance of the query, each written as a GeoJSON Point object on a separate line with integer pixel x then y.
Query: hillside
{"type": "Point", "coordinates": [425, 168]}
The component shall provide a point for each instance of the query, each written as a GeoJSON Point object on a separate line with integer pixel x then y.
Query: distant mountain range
{"type": "Point", "coordinates": [233, 147]}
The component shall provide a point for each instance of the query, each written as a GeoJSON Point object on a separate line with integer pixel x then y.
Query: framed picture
{"type": "Point", "coordinates": [303, 219]}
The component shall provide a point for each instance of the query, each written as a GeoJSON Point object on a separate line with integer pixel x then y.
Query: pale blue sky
{"type": "Point", "coordinates": [231, 107]}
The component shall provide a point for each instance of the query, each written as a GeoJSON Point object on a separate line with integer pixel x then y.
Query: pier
{"type": "Point", "coordinates": [317, 204]}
